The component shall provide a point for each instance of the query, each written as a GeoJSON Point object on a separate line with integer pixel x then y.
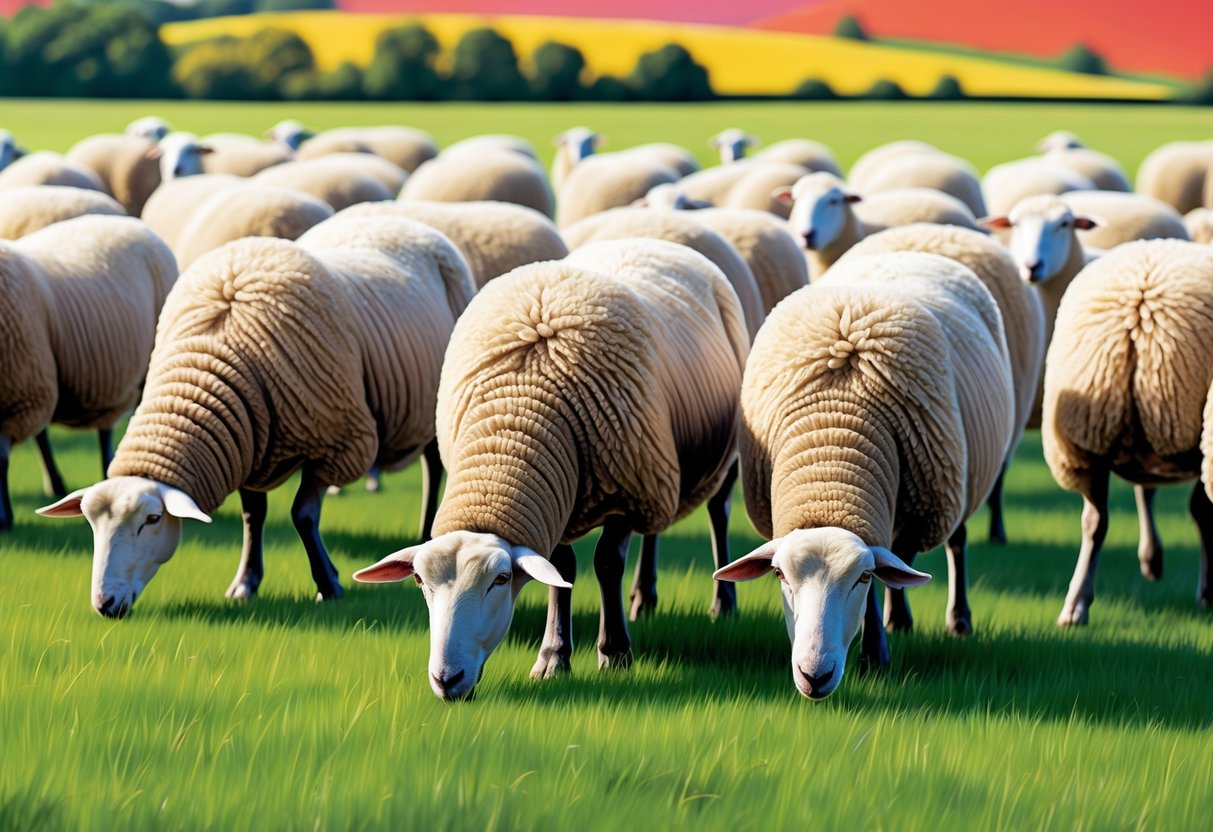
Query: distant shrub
{"type": "Point", "coordinates": [850, 27]}
{"type": "Point", "coordinates": [342, 84]}
{"type": "Point", "coordinates": [947, 89]}
{"type": "Point", "coordinates": [558, 71]}
{"type": "Point", "coordinates": [486, 68]}
{"type": "Point", "coordinates": [403, 66]}
{"type": "Point", "coordinates": [1199, 93]}
{"type": "Point", "coordinates": [255, 68]}
{"type": "Point", "coordinates": [609, 88]}
{"type": "Point", "coordinates": [886, 90]}
{"type": "Point", "coordinates": [670, 74]}
{"type": "Point", "coordinates": [814, 89]}
{"type": "Point", "coordinates": [1081, 58]}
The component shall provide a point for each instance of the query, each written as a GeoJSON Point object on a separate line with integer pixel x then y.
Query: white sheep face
{"type": "Point", "coordinates": [732, 144]}
{"type": "Point", "coordinates": [8, 149]}
{"type": "Point", "coordinates": [179, 154]}
{"type": "Point", "coordinates": [470, 582]}
{"type": "Point", "coordinates": [820, 210]}
{"type": "Point", "coordinates": [290, 133]}
{"type": "Point", "coordinates": [578, 143]}
{"type": "Point", "coordinates": [824, 575]}
{"type": "Point", "coordinates": [148, 127]}
{"type": "Point", "coordinates": [136, 528]}
{"type": "Point", "coordinates": [1042, 236]}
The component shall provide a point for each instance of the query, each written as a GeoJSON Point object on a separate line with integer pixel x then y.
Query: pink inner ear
{"type": "Point", "coordinates": [782, 195]}
{"type": "Point", "coordinates": [385, 571]}
{"type": "Point", "coordinates": [67, 507]}
{"type": "Point", "coordinates": [745, 569]}
{"type": "Point", "coordinates": [996, 222]}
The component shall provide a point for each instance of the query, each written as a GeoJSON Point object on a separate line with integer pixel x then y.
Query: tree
{"type": "Point", "coordinates": [342, 84]}
{"type": "Point", "coordinates": [609, 88]}
{"type": "Point", "coordinates": [814, 89]}
{"type": "Point", "coordinates": [850, 27]}
{"type": "Point", "coordinates": [947, 89]}
{"type": "Point", "coordinates": [558, 70]}
{"type": "Point", "coordinates": [1081, 58]}
{"type": "Point", "coordinates": [294, 5]}
{"type": "Point", "coordinates": [256, 68]}
{"type": "Point", "coordinates": [403, 66]}
{"type": "Point", "coordinates": [886, 90]}
{"type": "Point", "coordinates": [1199, 93]}
{"type": "Point", "coordinates": [670, 74]}
{"type": "Point", "coordinates": [486, 68]}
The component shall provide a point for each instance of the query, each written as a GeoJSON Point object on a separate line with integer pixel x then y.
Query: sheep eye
{"type": "Point", "coordinates": [152, 519]}
{"type": "Point", "coordinates": [779, 574]}
{"type": "Point", "coordinates": [865, 578]}
{"type": "Point", "coordinates": [417, 578]}
{"type": "Point", "coordinates": [503, 578]}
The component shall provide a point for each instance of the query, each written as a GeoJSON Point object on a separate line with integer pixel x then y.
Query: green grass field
{"type": "Point", "coordinates": [194, 713]}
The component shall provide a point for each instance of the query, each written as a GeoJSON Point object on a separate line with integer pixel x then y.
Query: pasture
{"type": "Point", "coordinates": [196, 713]}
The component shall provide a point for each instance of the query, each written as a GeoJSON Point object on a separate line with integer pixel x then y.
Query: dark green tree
{"type": "Point", "coordinates": [1081, 58]}
{"type": "Point", "coordinates": [486, 68]}
{"type": "Point", "coordinates": [947, 89]}
{"type": "Point", "coordinates": [558, 71]}
{"type": "Point", "coordinates": [342, 84]}
{"type": "Point", "coordinates": [255, 68]}
{"type": "Point", "coordinates": [1199, 93]}
{"type": "Point", "coordinates": [609, 88]}
{"type": "Point", "coordinates": [670, 74]}
{"type": "Point", "coordinates": [403, 66]}
{"type": "Point", "coordinates": [885, 90]}
{"type": "Point", "coordinates": [294, 5]}
{"type": "Point", "coordinates": [814, 89]}
{"type": "Point", "coordinates": [850, 27]}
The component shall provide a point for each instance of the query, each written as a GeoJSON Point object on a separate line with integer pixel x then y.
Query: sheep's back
{"type": "Point", "coordinates": [26, 210]}
{"type": "Point", "coordinates": [29, 387]}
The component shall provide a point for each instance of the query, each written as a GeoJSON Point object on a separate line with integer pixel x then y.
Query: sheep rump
{"type": "Point", "coordinates": [26, 210]}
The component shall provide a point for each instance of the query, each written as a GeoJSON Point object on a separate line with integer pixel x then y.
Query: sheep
{"type": "Point", "coordinates": [876, 414]}
{"type": "Point", "coordinates": [1059, 140]}
{"type": "Point", "coordinates": [733, 144]}
{"type": "Point", "coordinates": [673, 156]}
{"type": "Point", "coordinates": [572, 146]}
{"type": "Point", "coordinates": [46, 168]}
{"type": "Point", "coordinates": [290, 133]}
{"type": "Point", "coordinates": [493, 141]}
{"type": "Point", "coordinates": [78, 307]}
{"type": "Point", "coordinates": [179, 155]}
{"type": "Point", "coordinates": [613, 180]}
{"type": "Point", "coordinates": [1127, 385]}
{"type": "Point", "coordinates": [492, 176]}
{"type": "Point", "coordinates": [247, 210]}
{"type": "Point", "coordinates": [273, 356]}
{"type": "Point", "coordinates": [494, 237]}
{"type": "Point", "coordinates": [26, 210]}
{"type": "Point", "coordinates": [152, 128]}
{"type": "Point", "coordinates": [822, 215]}
{"type": "Point", "coordinates": [10, 151]}
{"type": "Point", "coordinates": [1020, 306]}
{"type": "Point", "coordinates": [243, 156]}
{"type": "Point", "coordinates": [1064, 148]}
{"type": "Point", "coordinates": [126, 165]}
{"type": "Point", "coordinates": [171, 206]}
{"type": "Point", "coordinates": [763, 241]}
{"type": "Point", "coordinates": [936, 170]}
{"type": "Point", "coordinates": [1199, 222]}
{"type": "Point", "coordinates": [340, 180]}
{"type": "Point", "coordinates": [871, 161]}
{"type": "Point", "coordinates": [564, 406]}
{"type": "Point", "coordinates": [810, 155]}
{"type": "Point", "coordinates": [745, 184]}
{"type": "Point", "coordinates": [1178, 174]}
{"type": "Point", "coordinates": [1010, 183]}
{"type": "Point", "coordinates": [404, 147]}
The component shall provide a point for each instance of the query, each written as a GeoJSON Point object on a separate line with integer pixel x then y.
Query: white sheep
{"type": "Point", "coordinates": [810, 155]}
{"type": "Point", "coordinates": [611, 180]}
{"type": "Point", "coordinates": [405, 147]}
{"type": "Point", "coordinates": [732, 144]}
{"type": "Point", "coordinates": [492, 141]}
{"type": "Point", "coordinates": [290, 133]}
{"type": "Point", "coordinates": [572, 146]}
{"type": "Point", "coordinates": [26, 210]}
{"type": "Point", "coordinates": [1067, 150]}
{"type": "Point", "coordinates": [1178, 174]}
{"type": "Point", "coordinates": [769, 249]}
{"type": "Point", "coordinates": [1010, 183]}
{"type": "Point", "coordinates": [872, 160]}
{"type": "Point", "coordinates": [239, 155]}
{"type": "Point", "coordinates": [604, 341]}
{"type": "Point", "coordinates": [128, 166]}
{"type": "Point", "coordinates": [491, 176]}
{"type": "Point", "coordinates": [876, 413]}
{"type": "Point", "coordinates": [10, 151]}
{"type": "Point", "coordinates": [47, 168]}
{"type": "Point", "coordinates": [1199, 222]}
{"type": "Point", "coordinates": [932, 169]}
{"type": "Point", "coordinates": [152, 128]}
{"type": "Point", "coordinates": [171, 206]}
{"type": "Point", "coordinates": [341, 180]}
{"type": "Point", "coordinates": [749, 183]}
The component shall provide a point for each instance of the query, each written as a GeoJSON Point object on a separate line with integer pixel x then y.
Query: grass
{"type": "Point", "coordinates": [199, 714]}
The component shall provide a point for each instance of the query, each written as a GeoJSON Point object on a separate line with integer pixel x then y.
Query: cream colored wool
{"type": "Point", "coordinates": [122, 164]}
{"type": "Point", "coordinates": [174, 203]}
{"type": "Point", "coordinates": [493, 176]}
{"type": "Point", "coordinates": [405, 147]}
{"type": "Point", "coordinates": [610, 180]}
{"type": "Point", "coordinates": [1129, 369]}
{"type": "Point", "coordinates": [491, 142]}
{"type": "Point", "coordinates": [1178, 174]}
{"type": "Point", "coordinates": [243, 156]}
{"type": "Point", "coordinates": [25, 210]}
{"type": "Point", "coordinates": [763, 241]}
{"type": "Point", "coordinates": [810, 155]}
{"type": "Point", "coordinates": [1199, 222]}
{"type": "Point", "coordinates": [676, 227]}
{"type": "Point", "coordinates": [493, 237]}
{"type": "Point", "coordinates": [872, 160]}
{"type": "Point", "coordinates": [79, 300]}
{"type": "Point", "coordinates": [46, 168]}
{"type": "Point", "coordinates": [332, 179]}
{"type": "Point", "coordinates": [936, 171]}
{"type": "Point", "coordinates": [248, 210]}
{"type": "Point", "coordinates": [878, 402]}
{"type": "Point", "coordinates": [754, 190]}
{"type": "Point", "coordinates": [1010, 183]}
{"type": "Point", "coordinates": [565, 395]}
{"type": "Point", "coordinates": [271, 354]}
{"type": "Point", "coordinates": [1124, 218]}
{"type": "Point", "coordinates": [1100, 168]}
{"type": "Point", "coordinates": [675, 157]}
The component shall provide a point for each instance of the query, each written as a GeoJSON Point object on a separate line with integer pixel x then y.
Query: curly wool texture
{"type": "Point", "coordinates": [611, 180]}
{"type": "Point", "coordinates": [493, 237]}
{"type": "Point", "coordinates": [566, 394]}
{"type": "Point", "coordinates": [1129, 368]}
{"type": "Point", "coordinates": [243, 156]}
{"type": "Point", "coordinates": [270, 355]}
{"type": "Point", "coordinates": [684, 229]}
{"type": "Point", "coordinates": [80, 300]}
{"type": "Point", "coordinates": [493, 176]}
{"type": "Point", "coordinates": [878, 402]}
{"type": "Point", "coordinates": [405, 147]}
{"type": "Point", "coordinates": [46, 168]}
{"type": "Point", "coordinates": [175, 202]}
{"type": "Point", "coordinates": [248, 210]}
{"type": "Point", "coordinates": [122, 164]}
{"type": "Point", "coordinates": [332, 179]}
{"type": "Point", "coordinates": [26, 210]}
{"type": "Point", "coordinates": [763, 241]}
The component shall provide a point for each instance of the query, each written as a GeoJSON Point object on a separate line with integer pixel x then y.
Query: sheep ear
{"type": "Point", "coordinates": [180, 504]}
{"type": "Point", "coordinates": [697, 205]}
{"type": "Point", "coordinates": [153, 152]}
{"type": "Point", "coordinates": [599, 141]}
{"type": "Point", "coordinates": [1087, 223]}
{"type": "Point", "coordinates": [748, 567]}
{"type": "Point", "coordinates": [995, 222]}
{"type": "Point", "coordinates": [69, 506]}
{"type": "Point", "coordinates": [203, 149]}
{"type": "Point", "coordinates": [395, 567]}
{"type": "Point", "coordinates": [852, 197]}
{"type": "Point", "coordinates": [643, 202]}
{"type": "Point", "coordinates": [752, 140]}
{"type": "Point", "coordinates": [894, 571]}
{"type": "Point", "coordinates": [537, 566]}
{"type": "Point", "coordinates": [783, 194]}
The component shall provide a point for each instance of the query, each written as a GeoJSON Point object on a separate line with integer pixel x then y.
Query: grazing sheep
{"type": "Point", "coordinates": [78, 307]}
{"type": "Point", "coordinates": [289, 132]}
{"type": "Point", "coordinates": [1010, 183]}
{"type": "Point", "coordinates": [180, 155]}
{"type": "Point", "coordinates": [405, 147]}
{"type": "Point", "coordinates": [810, 155]}
{"type": "Point", "coordinates": [668, 196]}
{"type": "Point", "coordinates": [613, 180]}
{"type": "Point", "coordinates": [46, 168]}
{"type": "Point", "coordinates": [127, 166]}
{"type": "Point", "coordinates": [733, 144]}
{"type": "Point", "coordinates": [572, 146]}
{"type": "Point", "coordinates": [9, 149]}
{"type": "Point", "coordinates": [673, 156]}
{"type": "Point", "coordinates": [26, 210]}
{"type": "Point", "coordinates": [871, 161]}
{"type": "Point", "coordinates": [1199, 222]}
{"type": "Point", "coordinates": [244, 156]}
{"type": "Point", "coordinates": [876, 414]}
{"type": "Point", "coordinates": [1067, 150]}
{"type": "Point", "coordinates": [493, 141]}
{"type": "Point", "coordinates": [492, 176]}
{"type": "Point", "coordinates": [152, 128]}
{"type": "Point", "coordinates": [494, 237]}
{"type": "Point", "coordinates": [763, 241]}
{"type": "Point", "coordinates": [1178, 174]}
{"type": "Point", "coordinates": [745, 184]}
{"type": "Point", "coordinates": [271, 357]}
{"type": "Point", "coordinates": [1059, 140]}
{"type": "Point", "coordinates": [340, 180]}
{"type": "Point", "coordinates": [564, 406]}
{"type": "Point", "coordinates": [1020, 306]}
{"type": "Point", "coordinates": [1127, 386]}
{"type": "Point", "coordinates": [171, 207]}
{"type": "Point", "coordinates": [935, 170]}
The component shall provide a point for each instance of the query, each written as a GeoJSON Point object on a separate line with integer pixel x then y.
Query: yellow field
{"type": "Point", "coordinates": [741, 61]}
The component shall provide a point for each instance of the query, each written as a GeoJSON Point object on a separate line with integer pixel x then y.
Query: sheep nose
{"type": "Point", "coordinates": [818, 684]}
{"type": "Point", "coordinates": [1034, 269]}
{"type": "Point", "coordinates": [446, 683]}
{"type": "Point", "coordinates": [810, 239]}
{"type": "Point", "coordinates": [112, 608]}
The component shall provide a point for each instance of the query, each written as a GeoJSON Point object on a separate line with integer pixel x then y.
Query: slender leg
{"type": "Point", "coordinates": [724, 602]}
{"type": "Point", "coordinates": [252, 556]}
{"type": "Point", "coordinates": [1149, 546]}
{"type": "Point", "coordinates": [6, 505]}
{"type": "Point", "coordinates": [897, 617]}
{"type": "Point", "coordinates": [52, 480]}
{"type": "Point", "coordinates": [105, 439]}
{"type": "Point", "coordinates": [644, 584]}
{"type": "Point", "coordinates": [960, 619]}
{"type": "Point", "coordinates": [998, 530]}
{"type": "Point", "coordinates": [1094, 530]}
{"type": "Point", "coordinates": [1202, 513]}
{"type": "Point", "coordinates": [557, 648]}
{"type": "Point", "coordinates": [431, 482]}
{"type": "Point", "coordinates": [610, 558]}
{"type": "Point", "coordinates": [305, 512]}
{"type": "Point", "coordinates": [874, 653]}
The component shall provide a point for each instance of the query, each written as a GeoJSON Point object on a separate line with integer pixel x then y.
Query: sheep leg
{"type": "Point", "coordinates": [1149, 546]}
{"type": "Point", "coordinates": [1094, 530]}
{"type": "Point", "coordinates": [305, 513]}
{"type": "Point", "coordinates": [105, 440]}
{"type": "Point", "coordinates": [52, 480]}
{"type": "Point", "coordinates": [557, 649]}
{"type": "Point", "coordinates": [1202, 513]}
{"type": "Point", "coordinates": [610, 558]}
{"type": "Point", "coordinates": [644, 583]}
{"type": "Point", "coordinates": [960, 619]}
{"type": "Point", "coordinates": [998, 530]}
{"type": "Point", "coordinates": [374, 480]}
{"type": "Point", "coordinates": [252, 554]}
{"type": "Point", "coordinates": [431, 482]}
{"type": "Point", "coordinates": [725, 601]}
{"type": "Point", "coordinates": [897, 617]}
{"type": "Point", "coordinates": [6, 505]}
{"type": "Point", "coordinates": [874, 650]}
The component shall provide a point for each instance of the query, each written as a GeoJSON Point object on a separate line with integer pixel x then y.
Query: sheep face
{"type": "Point", "coordinates": [1042, 236]}
{"type": "Point", "coordinates": [578, 143]}
{"type": "Point", "coordinates": [9, 152]}
{"type": "Point", "coordinates": [1059, 140]}
{"type": "Point", "coordinates": [470, 582]}
{"type": "Point", "coordinates": [821, 208]}
{"type": "Point", "coordinates": [136, 528]}
{"type": "Point", "coordinates": [290, 133]}
{"type": "Point", "coordinates": [825, 576]}
{"type": "Point", "coordinates": [148, 127]}
{"type": "Point", "coordinates": [179, 154]}
{"type": "Point", "coordinates": [732, 144]}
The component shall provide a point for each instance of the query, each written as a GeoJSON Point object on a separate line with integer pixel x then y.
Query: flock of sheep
{"type": "Point", "coordinates": [864, 353]}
